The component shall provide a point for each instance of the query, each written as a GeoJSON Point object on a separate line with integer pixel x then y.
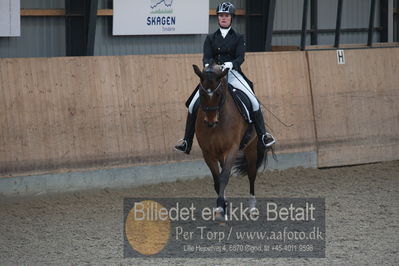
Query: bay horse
{"type": "Point", "coordinates": [219, 129]}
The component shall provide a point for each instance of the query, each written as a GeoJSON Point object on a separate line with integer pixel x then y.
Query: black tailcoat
{"type": "Point", "coordinates": [228, 49]}
{"type": "Point", "coordinates": [221, 50]}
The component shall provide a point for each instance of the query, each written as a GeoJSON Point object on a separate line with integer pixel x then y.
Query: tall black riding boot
{"type": "Point", "coordinates": [187, 141]}
{"type": "Point", "coordinates": [265, 138]}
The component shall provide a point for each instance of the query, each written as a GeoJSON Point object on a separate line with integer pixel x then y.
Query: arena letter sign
{"type": "Point", "coordinates": [157, 17]}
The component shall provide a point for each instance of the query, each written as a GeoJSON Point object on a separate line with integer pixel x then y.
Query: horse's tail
{"type": "Point", "coordinates": [241, 163]}
{"type": "Point", "coordinates": [262, 153]}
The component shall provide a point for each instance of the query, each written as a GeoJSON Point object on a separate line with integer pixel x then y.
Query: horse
{"type": "Point", "coordinates": [219, 130]}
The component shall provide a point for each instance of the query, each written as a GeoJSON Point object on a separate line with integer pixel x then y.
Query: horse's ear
{"type": "Point", "coordinates": [224, 73]}
{"type": "Point", "coordinates": [197, 71]}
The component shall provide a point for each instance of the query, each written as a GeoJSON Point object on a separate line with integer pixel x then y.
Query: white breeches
{"type": "Point", "coordinates": [237, 81]}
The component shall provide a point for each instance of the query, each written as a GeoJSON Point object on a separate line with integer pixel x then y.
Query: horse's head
{"type": "Point", "coordinates": [212, 91]}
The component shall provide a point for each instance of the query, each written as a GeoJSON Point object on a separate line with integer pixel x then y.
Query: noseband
{"type": "Point", "coordinates": [209, 92]}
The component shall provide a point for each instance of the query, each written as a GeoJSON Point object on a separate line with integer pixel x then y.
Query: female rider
{"type": "Point", "coordinates": [226, 47]}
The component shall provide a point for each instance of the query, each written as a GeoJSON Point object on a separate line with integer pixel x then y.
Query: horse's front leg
{"type": "Point", "coordinates": [224, 177]}
{"type": "Point", "coordinates": [214, 167]}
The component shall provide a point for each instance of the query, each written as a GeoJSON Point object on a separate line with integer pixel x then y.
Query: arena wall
{"type": "Point", "coordinates": [93, 112]}
{"type": "Point", "coordinates": [356, 106]}
{"type": "Point", "coordinates": [281, 82]}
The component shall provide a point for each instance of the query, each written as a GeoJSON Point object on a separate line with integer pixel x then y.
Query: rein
{"type": "Point", "coordinates": [209, 93]}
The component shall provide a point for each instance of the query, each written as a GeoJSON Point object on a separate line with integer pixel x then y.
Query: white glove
{"type": "Point", "coordinates": [228, 65]}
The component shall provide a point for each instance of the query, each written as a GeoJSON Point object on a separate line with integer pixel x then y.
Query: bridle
{"type": "Point", "coordinates": [209, 92]}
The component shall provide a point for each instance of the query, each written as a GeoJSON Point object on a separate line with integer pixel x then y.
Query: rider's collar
{"type": "Point", "coordinates": [224, 31]}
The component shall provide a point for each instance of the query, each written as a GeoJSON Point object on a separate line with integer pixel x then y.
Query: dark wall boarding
{"type": "Point", "coordinates": [62, 35]}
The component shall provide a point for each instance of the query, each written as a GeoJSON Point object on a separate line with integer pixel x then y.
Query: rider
{"type": "Point", "coordinates": [226, 47]}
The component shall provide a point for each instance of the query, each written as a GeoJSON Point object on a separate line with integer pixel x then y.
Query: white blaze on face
{"type": "Point", "coordinates": [210, 93]}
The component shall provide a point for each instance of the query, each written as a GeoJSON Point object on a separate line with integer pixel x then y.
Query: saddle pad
{"type": "Point", "coordinates": [244, 106]}
{"type": "Point", "coordinates": [242, 102]}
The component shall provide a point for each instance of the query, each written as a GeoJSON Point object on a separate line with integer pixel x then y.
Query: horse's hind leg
{"type": "Point", "coordinates": [251, 157]}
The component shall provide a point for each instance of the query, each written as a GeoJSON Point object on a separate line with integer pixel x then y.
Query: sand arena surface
{"type": "Point", "coordinates": [362, 218]}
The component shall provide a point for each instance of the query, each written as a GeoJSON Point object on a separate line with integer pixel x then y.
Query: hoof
{"type": "Point", "coordinates": [220, 215]}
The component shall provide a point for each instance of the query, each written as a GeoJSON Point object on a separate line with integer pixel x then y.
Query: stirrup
{"type": "Point", "coordinates": [182, 146]}
{"type": "Point", "coordinates": [268, 139]}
